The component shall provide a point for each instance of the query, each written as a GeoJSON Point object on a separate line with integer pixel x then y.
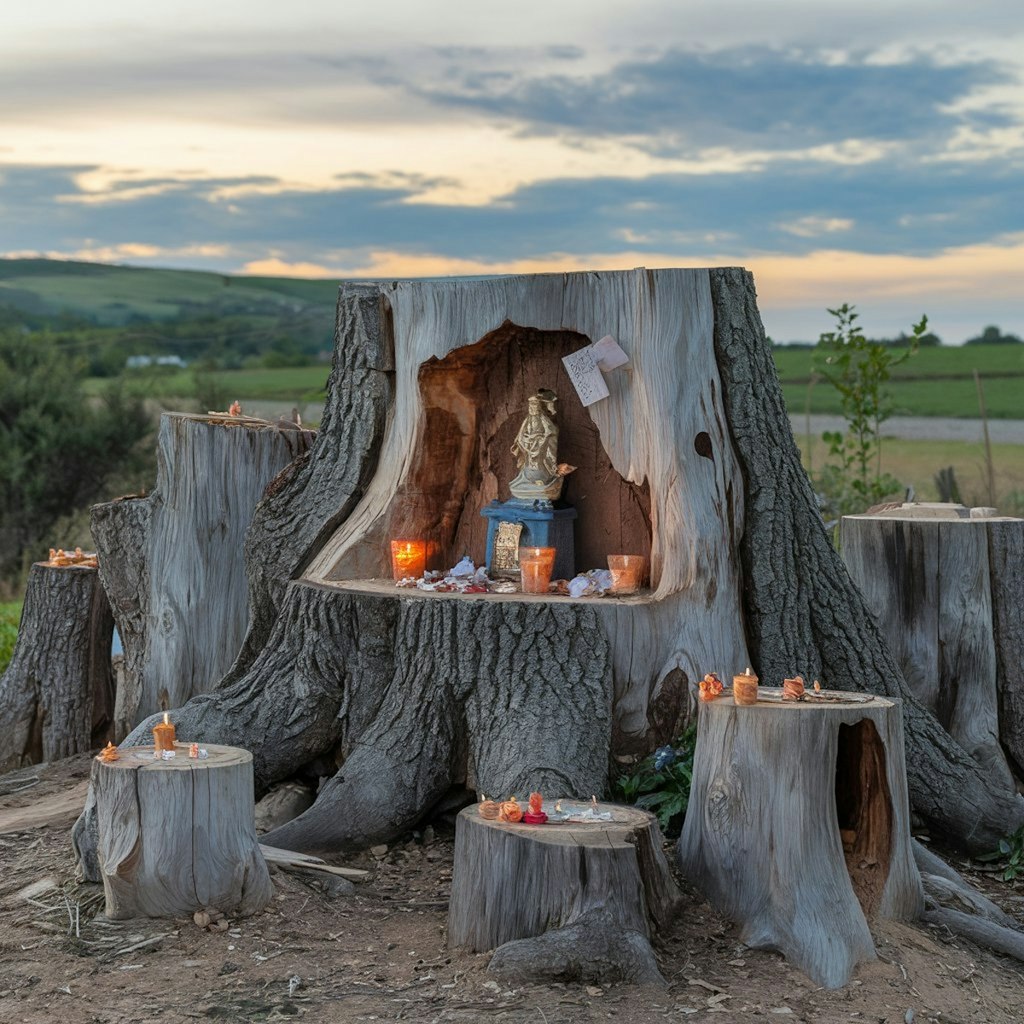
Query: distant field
{"type": "Point", "coordinates": [935, 382]}
{"type": "Point", "coordinates": [915, 463]}
{"type": "Point", "coordinates": [289, 384]}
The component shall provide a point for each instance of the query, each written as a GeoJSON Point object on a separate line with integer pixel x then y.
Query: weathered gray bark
{"type": "Point", "coordinates": [804, 613]}
{"type": "Point", "coordinates": [308, 500]}
{"type": "Point", "coordinates": [178, 836]}
{"type": "Point", "coordinates": [926, 577]}
{"type": "Point", "coordinates": [412, 692]}
{"type": "Point", "coordinates": [57, 695]}
{"type": "Point", "coordinates": [566, 901]}
{"type": "Point", "coordinates": [1006, 570]}
{"type": "Point", "coordinates": [773, 785]}
{"type": "Point", "coordinates": [172, 563]}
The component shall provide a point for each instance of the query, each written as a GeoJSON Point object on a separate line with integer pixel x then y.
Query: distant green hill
{"type": "Point", "coordinates": [115, 296]}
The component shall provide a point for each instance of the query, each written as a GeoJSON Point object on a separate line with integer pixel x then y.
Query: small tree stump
{"type": "Point", "coordinates": [798, 826]}
{"type": "Point", "coordinates": [178, 836]}
{"type": "Point", "coordinates": [57, 695]}
{"type": "Point", "coordinates": [946, 585]}
{"type": "Point", "coordinates": [577, 901]}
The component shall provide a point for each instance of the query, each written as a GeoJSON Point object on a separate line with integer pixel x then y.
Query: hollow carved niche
{"type": "Point", "coordinates": [474, 400]}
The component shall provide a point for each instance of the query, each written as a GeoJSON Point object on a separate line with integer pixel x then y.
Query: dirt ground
{"type": "Point", "coordinates": [377, 952]}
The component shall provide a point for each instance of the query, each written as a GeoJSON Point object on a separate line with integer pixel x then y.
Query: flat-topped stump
{"type": "Point", "coordinates": [572, 900]}
{"type": "Point", "coordinates": [798, 826]}
{"type": "Point", "coordinates": [178, 836]}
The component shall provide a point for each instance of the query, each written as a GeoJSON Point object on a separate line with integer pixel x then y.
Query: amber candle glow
{"type": "Point", "coordinates": [163, 734]}
{"type": "Point", "coordinates": [536, 566]}
{"type": "Point", "coordinates": [628, 573]}
{"type": "Point", "coordinates": [744, 688]}
{"type": "Point", "coordinates": [408, 558]}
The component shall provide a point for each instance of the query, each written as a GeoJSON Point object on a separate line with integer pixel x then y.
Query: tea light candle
{"type": "Point", "coordinates": [536, 566]}
{"type": "Point", "coordinates": [628, 573]}
{"type": "Point", "coordinates": [744, 688]}
{"type": "Point", "coordinates": [408, 558]}
{"type": "Point", "coordinates": [163, 734]}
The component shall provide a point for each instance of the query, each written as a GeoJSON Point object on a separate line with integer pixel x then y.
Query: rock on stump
{"type": "Point", "coordinates": [576, 901]}
{"type": "Point", "coordinates": [57, 695]}
{"type": "Point", "coordinates": [798, 826]}
{"type": "Point", "coordinates": [178, 836]}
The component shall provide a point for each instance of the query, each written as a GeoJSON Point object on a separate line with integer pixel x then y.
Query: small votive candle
{"type": "Point", "coordinates": [163, 734]}
{"type": "Point", "coordinates": [744, 688]}
{"type": "Point", "coordinates": [536, 566]}
{"type": "Point", "coordinates": [628, 573]}
{"type": "Point", "coordinates": [408, 558]}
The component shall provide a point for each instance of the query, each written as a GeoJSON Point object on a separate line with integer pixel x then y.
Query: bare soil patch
{"type": "Point", "coordinates": [322, 952]}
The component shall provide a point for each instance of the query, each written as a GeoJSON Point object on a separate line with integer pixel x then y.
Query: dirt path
{"type": "Point", "coordinates": [322, 952]}
{"type": "Point", "coordinates": [922, 428]}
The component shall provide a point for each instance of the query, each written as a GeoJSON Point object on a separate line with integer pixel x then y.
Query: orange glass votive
{"type": "Point", "coordinates": [536, 566]}
{"type": "Point", "coordinates": [408, 558]}
{"type": "Point", "coordinates": [744, 688]}
{"type": "Point", "coordinates": [163, 734]}
{"type": "Point", "coordinates": [628, 573]}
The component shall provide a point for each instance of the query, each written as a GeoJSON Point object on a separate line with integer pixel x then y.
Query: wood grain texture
{"type": "Point", "coordinates": [596, 893]}
{"type": "Point", "coordinates": [178, 836]}
{"type": "Point", "coordinates": [772, 786]}
{"type": "Point", "coordinates": [172, 564]}
{"type": "Point", "coordinates": [57, 694]}
{"type": "Point", "coordinates": [802, 611]}
{"type": "Point", "coordinates": [1006, 574]}
{"type": "Point", "coordinates": [929, 584]}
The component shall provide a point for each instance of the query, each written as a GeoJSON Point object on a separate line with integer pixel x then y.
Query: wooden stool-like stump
{"type": "Point", "coordinates": [798, 827]}
{"type": "Point", "coordinates": [177, 836]}
{"type": "Point", "coordinates": [577, 901]}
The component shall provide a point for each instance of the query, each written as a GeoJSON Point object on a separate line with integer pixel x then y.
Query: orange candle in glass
{"type": "Point", "coordinates": [628, 573]}
{"type": "Point", "coordinates": [408, 558]}
{"type": "Point", "coordinates": [536, 566]}
{"type": "Point", "coordinates": [744, 688]}
{"type": "Point", "coordinates": [163, 734]}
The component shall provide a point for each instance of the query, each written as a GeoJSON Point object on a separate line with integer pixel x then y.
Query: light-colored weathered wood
{"type": "Point", "coordinates": [173, 563]}
{"type": "Point", "coordinates": [304, 862]}
{"type": "Point", "coordinates": [57, 695]}
{"type": "Point", "coordinates": [932, 583]}
{"type": "Point", "coordinates": [773, 785]}
{"type": "Point", "coordinates": [572, 900]}
{"type": "Point", "coordinates": [178, 836]}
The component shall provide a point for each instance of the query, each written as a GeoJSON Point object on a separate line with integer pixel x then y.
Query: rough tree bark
{"type": "Point", "coordinates": [928, 576]}
{"type": "Point", "coordinates": [776, 787]}
{"type": "Point", "coordinates": [413, 691]}
{"type": "Point", "coordinates": [803, 612]}
{"type": "Point", "coordinates": [171, 563]}
{"type": "Point", "coordinates": [575, 902]}
{"type": "Point", "coordinates": [57, 695]}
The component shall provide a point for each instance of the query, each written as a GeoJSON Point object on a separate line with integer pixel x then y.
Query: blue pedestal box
{"type": "Point", "coordinates": [544, 526]}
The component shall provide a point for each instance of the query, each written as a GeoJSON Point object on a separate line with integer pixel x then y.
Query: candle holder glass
{"type": "Point", "coordinates": [536, 566]}
{"type": "Point", "coordinates": [628, 573]}
{"type": "Point", "coordinates": [408, 559]}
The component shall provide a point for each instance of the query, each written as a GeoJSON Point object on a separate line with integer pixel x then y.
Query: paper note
{"type": "Point", "coordinates": [585, 376]}
{"type": "Point", "coordinates": [607, 354]}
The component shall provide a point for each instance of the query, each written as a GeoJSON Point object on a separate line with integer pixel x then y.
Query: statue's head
{"type": "Point", "coordinates": [533, 405]}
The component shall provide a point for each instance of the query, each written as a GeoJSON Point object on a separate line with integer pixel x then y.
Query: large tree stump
{"type": "Point", "coordinates": [57, 695]}
{"type": "Point", "coordinates": [693, 445]}
{"type": "Point", "coordinates": [575, 901]}
{"type": "Point", "coordinates": [798, 826]}
{"type": "Point", "coordinates": [178, 836]}
{"type": "Point", "coordinates": [947, 589]}
{"type": "Point", "coordinates": [173, 563]}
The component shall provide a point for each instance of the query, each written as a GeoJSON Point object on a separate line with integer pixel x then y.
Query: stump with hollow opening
{"type": "Point", "coordinates": [798, 827]}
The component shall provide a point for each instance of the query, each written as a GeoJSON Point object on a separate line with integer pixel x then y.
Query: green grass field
{"type": "Point", "coordinates": [10, 616]}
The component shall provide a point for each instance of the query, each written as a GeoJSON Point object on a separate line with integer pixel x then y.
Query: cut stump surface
{"type": "Point", "coordinates": [578, 901]}
{"type": "Point", "coordinates": [798, 826]}
{"type": "Point", "coordinates": [179, 836]}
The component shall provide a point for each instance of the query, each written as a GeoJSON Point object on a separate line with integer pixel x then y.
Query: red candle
{"type": "Point", "coordinates": [408, 558]}
{"type": "Point", "coordinates": [536, 566]}
{"type": "Point", "coordinates": [163, 734]}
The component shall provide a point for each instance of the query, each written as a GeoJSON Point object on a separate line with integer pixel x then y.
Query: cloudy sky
{"type": "Point", "coordinates": [845, 150]}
